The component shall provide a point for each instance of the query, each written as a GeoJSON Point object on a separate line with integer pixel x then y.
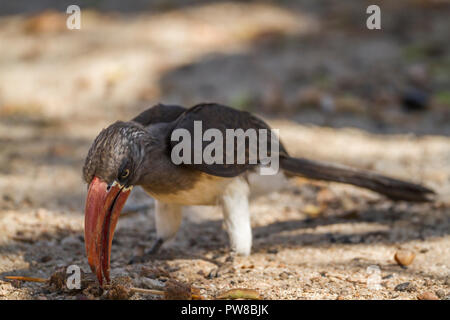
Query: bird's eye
{"type": "Point", "coordinates": [125, 173]}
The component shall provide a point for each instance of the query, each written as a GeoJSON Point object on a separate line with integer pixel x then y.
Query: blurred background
{"type": "Point", "coordinates": [373, 99]}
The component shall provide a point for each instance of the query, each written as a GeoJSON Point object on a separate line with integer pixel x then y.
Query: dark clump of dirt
{"type": "Point", "coordinates": [119, 289]}
{"type": "Point", "coordinates": [176, 290]}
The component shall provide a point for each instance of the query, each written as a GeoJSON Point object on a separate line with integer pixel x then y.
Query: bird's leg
{"type": "Point", "coordinates": [155, 247]}
{"type": "Point", "coordinates": [168, 220]}
{"type": "Point", "coordinates": [237, 222]}
{"type": "Point", "coordinates": [237, 216]}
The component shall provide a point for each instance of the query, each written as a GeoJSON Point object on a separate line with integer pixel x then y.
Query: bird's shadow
{"type": "Point", "coordinates": [393, 224]}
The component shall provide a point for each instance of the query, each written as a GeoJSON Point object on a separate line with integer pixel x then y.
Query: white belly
{"type": "Point", "coordinates": [206, 191]}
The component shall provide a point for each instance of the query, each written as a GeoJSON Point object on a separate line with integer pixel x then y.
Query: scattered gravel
{"type": "Point", "coordinates": [334, 92]}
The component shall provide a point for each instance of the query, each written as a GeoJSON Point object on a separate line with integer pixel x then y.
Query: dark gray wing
{"type": "Point", "coordinates": [215, 116]}
{"type": "Point", "coordinates": [159, 113]}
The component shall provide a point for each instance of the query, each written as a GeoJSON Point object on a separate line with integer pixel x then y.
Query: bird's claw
{"type": "Point", "coordinates": [137, 259]}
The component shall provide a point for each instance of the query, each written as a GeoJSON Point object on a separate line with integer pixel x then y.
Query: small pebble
{"type": "Point", "coordinates": [152, 283]}
{"type": "Point", "coordinates": [345, 292]}
{"type": "Point", "coordinates": [404, 258]}
{"type": "Point", "coordinates": [440, 293]}
{"type": "Point", "coordinates": [415, 99]}
{"type": "Point", "coordinates": [284, 275]}
{"type": "Point", "coordinates": [70, 241]}
{"type": "Point", "coordinates": [405, 286]}
{"type": "Point", "coordinates": [447, 281]}
{"type": "Point", "coordinates": [45, 259]}
{"type": "Point", "coordinates": [327, 103]}
{"type": "Point", "coordinates": [427, 296]}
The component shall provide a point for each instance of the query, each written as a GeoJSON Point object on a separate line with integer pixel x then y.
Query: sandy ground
{"type": "Point", "coordinates": [328, 91]}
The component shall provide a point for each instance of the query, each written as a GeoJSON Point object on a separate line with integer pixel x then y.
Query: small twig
{"type": "Point", "coordinates": [31, 279]}
{"type": "Point", "coordinates": [23, 239]}
{"type": "Point", "coordinates": [348, 279]}
{"type": "Point", "coordinates": [148, 291]}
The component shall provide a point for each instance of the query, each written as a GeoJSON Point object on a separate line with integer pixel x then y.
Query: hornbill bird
{"type": "Point", "coordinates": [138, 153]}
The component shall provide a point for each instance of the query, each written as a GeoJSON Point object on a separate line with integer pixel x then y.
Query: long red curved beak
{"type": "Point", "coordinates": [103, 207]}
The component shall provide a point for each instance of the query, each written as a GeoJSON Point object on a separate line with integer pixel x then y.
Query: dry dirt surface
{"type": "Point", "coordinates": [331, 87]}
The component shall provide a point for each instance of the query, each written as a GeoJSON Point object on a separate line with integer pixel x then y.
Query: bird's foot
{"type": "Point", "coordinates": [148, 254]}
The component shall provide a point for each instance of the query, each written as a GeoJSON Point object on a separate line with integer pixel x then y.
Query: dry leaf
{"type": "Point", "coordinates": [240, 293]}
{"type": "Point", "coordinates": [196, 294]}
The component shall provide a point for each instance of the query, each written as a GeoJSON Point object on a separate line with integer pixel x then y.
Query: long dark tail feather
{"type": "Point", "coordinates": [392, 188]}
